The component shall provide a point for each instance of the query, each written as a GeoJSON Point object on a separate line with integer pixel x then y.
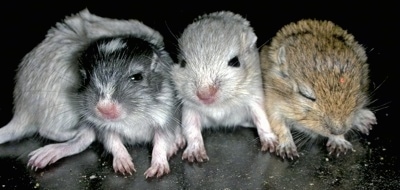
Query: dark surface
{"type": "Point", "coordinates": [236, 161]}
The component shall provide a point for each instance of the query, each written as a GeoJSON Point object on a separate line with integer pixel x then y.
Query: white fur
{"type": "Point", "coordinates": [207, 45]}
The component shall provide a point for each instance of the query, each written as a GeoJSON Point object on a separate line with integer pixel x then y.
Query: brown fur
{"type": "Point", "coordinates": [316, 80]}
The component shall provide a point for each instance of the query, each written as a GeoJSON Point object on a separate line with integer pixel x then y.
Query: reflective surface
{"type": "Point", "coordinates": [236, 161]}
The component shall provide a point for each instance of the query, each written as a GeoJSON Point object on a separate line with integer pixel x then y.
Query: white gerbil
{"type": "Point", "coordinates": [316, 81]}
{"type": "Point", "coordinates": [218, 79]}
{"type": "Point", "coordinates": [97, 75]}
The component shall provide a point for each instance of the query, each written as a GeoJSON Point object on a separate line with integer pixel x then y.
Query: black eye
{"type": "Point", "coordinates": [234, 62]}
{"type": "Point", "coordinates": [182, 63]}
{"type": "Point", "coordinates": [308, 96]}
{"type": "Point", "coordinates": [136, 77]}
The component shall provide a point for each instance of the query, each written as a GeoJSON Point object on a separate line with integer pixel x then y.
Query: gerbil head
{"type": "Point", "coordinates": [321, 72]}
{"type": "Point", "coordinates": [121, 80]}
{"type": "Point", "coordinates": [217, 59]}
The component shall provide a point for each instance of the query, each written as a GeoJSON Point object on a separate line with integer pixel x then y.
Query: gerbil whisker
{"type": "Point", "coordinates": [380, 107]}
{"type": "Point", "coordinates": [376, 87]}
{"type": "Point", "coordinates": [264, 43]}
{"type": "Point", "coordinates": [170, 31]}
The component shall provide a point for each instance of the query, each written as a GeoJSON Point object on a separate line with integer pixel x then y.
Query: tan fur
{"type": "Point", "coordinates": [321, 61]}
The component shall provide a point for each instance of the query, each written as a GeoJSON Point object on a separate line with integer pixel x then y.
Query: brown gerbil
{"type": "Point", "coordinates": [316, 80]}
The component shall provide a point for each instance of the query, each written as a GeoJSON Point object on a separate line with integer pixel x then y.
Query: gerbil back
{"type": "Point", "coordinates": [321, 70]}
{"type": "Point", "coordinates": [329, 46]}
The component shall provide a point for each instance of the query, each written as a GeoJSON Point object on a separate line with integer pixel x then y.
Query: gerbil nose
{"type": "Point", "coordinates": [336, 128]}
{"type": "Point", "coordinates": [208, 94]}
{"type": "Point", "coordinates": [108, 110]}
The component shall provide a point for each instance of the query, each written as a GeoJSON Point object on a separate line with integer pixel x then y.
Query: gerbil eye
{"type": "Point", "coordinates": [307, 93]}
{"type": "Point", "coordinates": [308, 96]}
{"type": "Point", "coordinates": [234, 62]}
{"type": "Point", "coordinates": [182, 63]}
{"type": "Point", "coordinates": [136, 77]}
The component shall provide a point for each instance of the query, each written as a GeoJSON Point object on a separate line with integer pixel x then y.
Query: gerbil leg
{"type": "Point", "coordinates": [51, 153]}
{"type": "Point", "coordinates": [159, 161]}
{"type": "Point", "coordinates": [195, 149]}
{"type": "Point", "coordinates": [338, 144]}
{"type": "Point", "coordinates": [16, 129]}
{"type": "Point", "coordinates": [364, 120]}
{"type": "Point", "coordinates": [286, 147]}
{"type": "Point", "coordinates": [267, 138]}
{"type": "Point", "coordinates": [122, 161]}
{"type": "Point", "coordinates": [179, 141]}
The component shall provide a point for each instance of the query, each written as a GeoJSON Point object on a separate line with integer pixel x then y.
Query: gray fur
{"type": "Point", "coordinates": [52, 98]}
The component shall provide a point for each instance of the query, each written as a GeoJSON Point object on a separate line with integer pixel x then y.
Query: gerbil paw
{"type": "Point", "coordinates": [180, 142]}
{"type": "Point", "coordinates": [337, 145]}
{"type": "Point", "coordinates": [46, 155]}
{"type": "Point", "coordinates": [157, 169]}
{"type": "Point", "coordinates": [287, 150]}
{"type": "Point", "coordinates": [364, 121]}
{"type": "Point", "coordinates": [123, 164]}
{"type": "Point", "coordinates": [192, 154]}
{"type": "Point", "coordinates": [269, 142]}
{"type": "Point", "coordinates": [172, 151]}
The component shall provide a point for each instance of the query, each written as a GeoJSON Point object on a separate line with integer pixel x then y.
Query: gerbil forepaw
{"type": "Point", "coordinates": [195, 154]}
{"type": "Point", "coordinates": [157, 169]}
{"type": "Point", "coordinates": [287, 150]}
{"type": "Point", "coordinates": [181, 142]}
{"type": "Point", "coordinates": [338, 146]}
{"type": "Point", "coordinates": [364, 121]}
{"type": "Point", "coordinates": [269, 142]}
{"type": "Point", "coordinates": [173, 150]}
{"type": "Point", "coordinates": [269, 146]}
{"type": "Point", "coordinates": [123, 165]}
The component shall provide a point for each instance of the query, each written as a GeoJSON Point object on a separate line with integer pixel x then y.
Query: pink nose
{"type": "Point", "coordinates": [207, 95]}
{"type": "Point", "coordinates": [108, 110]}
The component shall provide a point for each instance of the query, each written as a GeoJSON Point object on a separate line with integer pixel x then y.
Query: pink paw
{"type": "Point", "coordinates": [123, 164]}
{"type": "Point", "coordinates": [157, 169]}
{"type": "Point", "coordinates": [195, 153]}
{"type": "Point", "coordinates": [337, 145]}
{"type": "Point", "coordinates": [45, 156]}
{"type": "Point", "coordinates": [268, 142]}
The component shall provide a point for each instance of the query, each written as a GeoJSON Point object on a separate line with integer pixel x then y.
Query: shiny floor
{"type": "Point", "coordinates": [236, 161]}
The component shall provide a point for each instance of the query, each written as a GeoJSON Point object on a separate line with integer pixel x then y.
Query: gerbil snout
{"type": "Point", "coordinates": [108, 110]}
{"type": "Point", "coordinates": [335, 127]}
{"type": "Point", "coordinates": [207, 95]}
{"type": "Point", "coordinates": [337, 130]}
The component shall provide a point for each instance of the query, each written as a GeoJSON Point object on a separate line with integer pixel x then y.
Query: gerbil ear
{"type": "Point", "coordinates": [160, 60]}
{"type": "Point", "coordinates": [155, 62]}
{"type": "Point", "coordinates": [249, 39]}
{"type": "Point", "coordinates": [280, 57]}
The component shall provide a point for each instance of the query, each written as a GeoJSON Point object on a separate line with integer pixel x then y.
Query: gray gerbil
{"type": "Point", "coordinates": [316, 81]}
{"type": "Point", "coordinates": [218, 79]}
{"type": "Point", "coordinates": [97, 75]}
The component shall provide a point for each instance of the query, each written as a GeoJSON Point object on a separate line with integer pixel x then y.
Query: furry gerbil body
{"type": "Point", "coordinates": [97, 77]}
{"type": "Point", "coordinates": [218, 79]}
{"type": "Point", "coordinates": [316, 81]}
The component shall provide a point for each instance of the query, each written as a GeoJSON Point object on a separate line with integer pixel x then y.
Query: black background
{"type": "Point", "coordinates": [374, 24]}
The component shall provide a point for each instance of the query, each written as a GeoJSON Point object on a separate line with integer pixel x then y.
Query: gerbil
{"type": "Point", "coordinates": [316, 80]}
{"type": "Point", "coordinates": [97, 75]}
{"type": "Point", "coordinates": [218, 80]}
